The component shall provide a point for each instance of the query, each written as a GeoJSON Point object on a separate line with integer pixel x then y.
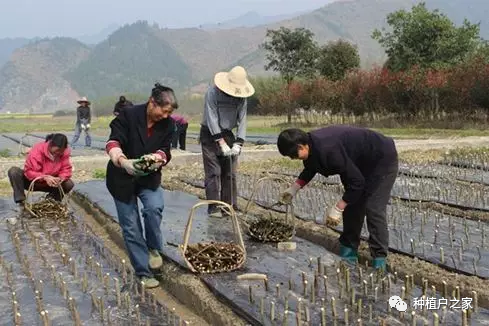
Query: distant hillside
{"type": "Point", "coordinates": [8, 46]}
{"type": "Point", "coordinates": [207, 51]}
{"type": "Point", "coordinates": [94, 39]}
{"type": "Point", "coordinates": [249, 19]}
{"type": "Point", "coordinates": [131, 60]}
{"type": "Point", "coordinates": [32, 79]}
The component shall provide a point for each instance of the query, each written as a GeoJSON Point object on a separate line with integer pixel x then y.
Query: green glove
{"type": "Point", "coordinates": [138, 172]}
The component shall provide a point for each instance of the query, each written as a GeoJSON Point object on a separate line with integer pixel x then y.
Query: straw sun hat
{"type": "Point", "coordinates": [234, 83]}
{"type": "Point", "coordinates": [83, 99]}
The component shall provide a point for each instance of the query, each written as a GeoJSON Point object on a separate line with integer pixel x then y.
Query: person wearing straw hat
{"type": "Point", "coordinates": [225, 109]}
{"type": "Point", "coordinates": [50, 162]}
{"type": "Point", "coordinates": [83, 119]}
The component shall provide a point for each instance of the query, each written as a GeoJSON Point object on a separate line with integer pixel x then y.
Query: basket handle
{"type": "Point", "coordinates": [31, 189]}
{"type": "Point", "coordinates": [234, 219]}
{"type": "Point", "coordinates": [255, 189]}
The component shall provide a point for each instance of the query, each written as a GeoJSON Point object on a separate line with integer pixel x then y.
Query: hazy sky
{"type": "Point", "coordinates": [31, 18]}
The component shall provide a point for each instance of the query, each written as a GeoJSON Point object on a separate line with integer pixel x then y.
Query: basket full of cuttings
{"type": "Point", "coordinates": [47, 208]}
{"type": "Point", "coordinates": [273, 229]}
{"type": "Point", "coordinates": [214, 256]}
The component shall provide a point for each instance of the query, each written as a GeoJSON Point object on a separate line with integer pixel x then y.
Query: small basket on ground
{"type": "Point", "coordinates": [270, 229]}
{"type": "Point", "coordinates": [47, 208]}
{"type": "Point", "coordinates": [214, 257]}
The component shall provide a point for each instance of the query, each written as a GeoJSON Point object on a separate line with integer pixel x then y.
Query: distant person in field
{"type": "Point", "coordinates": [180, 135]}
{"type": "Point", "coordinates": [121, 104]}
{"type": "Point", "coordinates": [50, 162]}
{"type": "Point", "coordinates": [141, 131]}
{"type": "Point", "coordinates": [367, 164]}
{"type": "Point", "coordinates": [83, 120]}
{"type": "Point", "coordinates": [225, 109]}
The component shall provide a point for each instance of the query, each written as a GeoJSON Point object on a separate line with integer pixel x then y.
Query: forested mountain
{"type": "Point", "coordinates": [130, 60]}
{"type": "Point", "coordinates": [135, 56]}
{"type": "Point", "coordinates": [33, 78]}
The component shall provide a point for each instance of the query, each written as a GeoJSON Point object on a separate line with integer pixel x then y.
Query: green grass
{"type": "Point", "coordinates": [273, 125]}
{"type": "Point", "coordinates": [5, 153]}
{"type": "Point", "coordinates": [24, 123]}
{"type": "Point", "coordinates": [270, 125]}
{"type": "Point", "coordinates": [98, 174]}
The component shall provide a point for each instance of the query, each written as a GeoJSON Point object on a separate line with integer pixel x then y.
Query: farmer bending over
{"type": "Point", "coordinates": [51, 161]}
{"type": "Point", "coordinates": [141, 131]}
{"type": "Point", "coordinates": [367, 164]}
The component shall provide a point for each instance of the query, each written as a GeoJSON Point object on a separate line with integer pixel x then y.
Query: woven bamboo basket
{"type": "Point", "coordinates": [270, 229]}
{"type": "Point", "coordinates": [237, 246]}
{"type": "Point", "coordinates": [30, 190]}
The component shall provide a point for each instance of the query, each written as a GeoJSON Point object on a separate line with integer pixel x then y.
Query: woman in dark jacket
{"type": "Point", "coordinates": [141, 131]}
{"type": "Point", "coordinates": [121, 104]}
{"type": "Point", "coordinates": [367, 163]}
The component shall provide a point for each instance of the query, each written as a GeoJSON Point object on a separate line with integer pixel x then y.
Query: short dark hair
{"type": "Point", "coordinates": [58, 140]}
{"type": "Point", "coordinates": [164, 95]}
{"type": "Point", "coordinates": [289, 140]}
{"type": "Point", "coordinates": [122, 98]}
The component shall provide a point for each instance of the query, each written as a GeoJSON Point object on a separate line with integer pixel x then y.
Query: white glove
{"type": "Point", "coordinates": [334, 216]}
{"type": "Point", "coordinates": [226, 151]}
{"type": "Point", "coordinates": [88, 126]}
{"type": "Point", "coordinates": [128, 165]}
{"type": "Point", "coordinates": [115, 154]}
{"type": "Point", "coordinates": [83, 127]}
{"type": "Point", "coordinates": [289, 194]}
{"type": "Point", "coordinates": [236, 150]}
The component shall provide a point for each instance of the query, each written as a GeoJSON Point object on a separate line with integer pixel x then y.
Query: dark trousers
{"type": "Point", "coordinates": [218, 170]}
{"type": "Point", "coordinates": [180, 136]}
{"type": "Point", "coordinates": [20, 183]}
{"type": "Point", "coordinates": [373, 205]}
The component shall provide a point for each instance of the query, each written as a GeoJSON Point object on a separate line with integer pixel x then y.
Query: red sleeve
{"type": "Point", "coordinates": [65, 171]}
{"type": "Point", "coordinates": [111, 144]}
{"type": "Point", "coordinates": [305, 177]}
{"type": "Point", "coordinates": [33, 164]}
{"type": "Point", "coordinates": [163, 156]}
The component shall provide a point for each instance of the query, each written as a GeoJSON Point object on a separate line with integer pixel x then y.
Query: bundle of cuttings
{"type": "Point", "coordinates": [146, 164]}
{"type": "Point", "coordinates": [271, 230]}
{"type": "Point", "coordinates": [332, 222]}
{"type": "Point", "coordinates": [49, 209]}
{"type": "Point", "coordinates": [214, 257]}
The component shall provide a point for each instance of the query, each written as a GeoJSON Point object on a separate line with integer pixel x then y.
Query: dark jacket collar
{"type": "Point", "coordinates": [142, 122]}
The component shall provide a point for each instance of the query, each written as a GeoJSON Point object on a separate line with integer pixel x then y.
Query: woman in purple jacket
{"type": "Point", "coordinates": [367, 163]}
{"type": "Point", "coordinates": [180, 135]}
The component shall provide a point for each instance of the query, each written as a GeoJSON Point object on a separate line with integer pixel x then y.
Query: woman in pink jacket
{"type": "Point", "coordinates": [49, 160]}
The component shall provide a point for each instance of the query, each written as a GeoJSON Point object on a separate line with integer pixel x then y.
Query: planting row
{"type": "Point", "coordinates": [454, 243]}
{"type": "Point", "coordinates": [309, 285]}
{"type": "Point", "coordinates": [413, 185]}
{"type": "Point", "coordinates": [59, 273]}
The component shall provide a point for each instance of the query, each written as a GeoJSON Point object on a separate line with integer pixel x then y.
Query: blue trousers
{"type": "Point", "coordinates": [78, 130]}
{"type": "Point", "coordinates": [138, 246]}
